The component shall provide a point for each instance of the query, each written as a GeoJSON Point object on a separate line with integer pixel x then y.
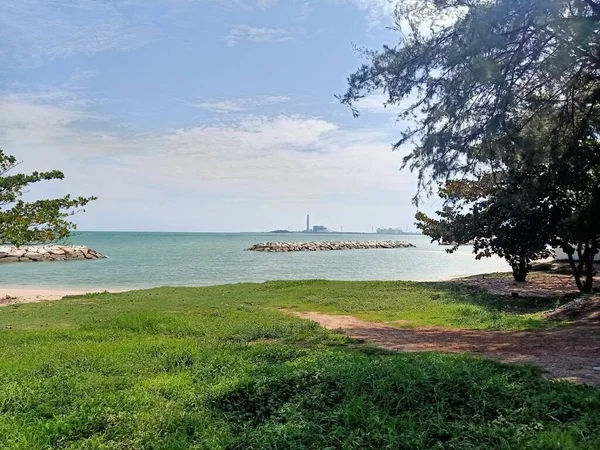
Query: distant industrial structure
{"type": "Point", "coordinates": [315, 228]}
{"type": "Point", "coordinates": [394, 231]}
{"type": "Point", "coordinates": [324, 229]}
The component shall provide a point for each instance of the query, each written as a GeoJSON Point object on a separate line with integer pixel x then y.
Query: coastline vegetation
{"type": "Point", "coordinates": [501, 102]}
{"type": "Point", "coordinates": [33, 222]}
{"type": "Point", "coordinates": [504, 111]}
{"type": "Point", "coordinates": [222, 367]}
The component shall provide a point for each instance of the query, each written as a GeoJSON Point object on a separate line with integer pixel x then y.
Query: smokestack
{"type": "Point", "coordinates": [308, 222]}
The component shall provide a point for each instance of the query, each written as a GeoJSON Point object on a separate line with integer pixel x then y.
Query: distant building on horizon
{"type": "Point", "coordinates": [394, 231]}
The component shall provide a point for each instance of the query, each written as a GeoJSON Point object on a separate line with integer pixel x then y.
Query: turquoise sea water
{"type": "Point", "coordinates": [138, 260]}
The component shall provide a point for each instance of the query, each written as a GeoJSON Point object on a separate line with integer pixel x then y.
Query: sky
{"type": "Point", "coordinates": [203, 115]}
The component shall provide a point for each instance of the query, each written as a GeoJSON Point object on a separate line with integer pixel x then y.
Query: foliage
{"type": "Point", "coordinates": [574, 180]}
{"type": "Point", "coordinates": [220, 367]}
{"type": "Point", "coordinates": [480, 72]}
{"type": "Point", "coordinates": [509, 87]}
{"type": "Point", "coordinates": [39, 221]}
{"type": "Point", "coordinates": [519, 214]}
{"type": "Point", "coordinates": [506, 221]}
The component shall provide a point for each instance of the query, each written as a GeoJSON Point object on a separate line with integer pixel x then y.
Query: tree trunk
{"type": "Point", "coordinates": [520, 269]}
{"type": "Point", "coordinates": [581, 258]}
{"type": "Point", "coordinates": [588, 285]}
{"type": "Point", "coordinates": [590, 254]}
{"type": "Point", "coordinates": [584, 270]}
{"type": "Point", "coordinates": [576, 272]}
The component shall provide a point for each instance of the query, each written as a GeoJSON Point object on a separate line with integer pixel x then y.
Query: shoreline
{"type": "Point", "coordinates": [18, 295]}
{"type": "Point", "coordinates": [11, 295]}
{"type": "Point", "coordinates": [541, 285]}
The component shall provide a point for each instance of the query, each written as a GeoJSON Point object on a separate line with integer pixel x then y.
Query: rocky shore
{"type": "Point", "coordinates": [324, 246]}
{"type": "Point", "coordinates": [47, 253]}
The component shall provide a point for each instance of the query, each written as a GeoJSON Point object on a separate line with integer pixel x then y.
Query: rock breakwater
{"type": "Point", "coordinates": [325, 246]}
{"type": "Point", "coordinates": [47, 253]}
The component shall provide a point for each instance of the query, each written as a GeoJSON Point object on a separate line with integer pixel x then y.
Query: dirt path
{"type": "Point", "coordinates": [569, 353]}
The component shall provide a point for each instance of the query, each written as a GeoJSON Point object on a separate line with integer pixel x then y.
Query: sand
{"type": "Point", "coordinates": [18, 295]}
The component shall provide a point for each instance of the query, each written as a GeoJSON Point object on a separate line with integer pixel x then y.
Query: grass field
{"type": "Point", "coordinates": [220, 367]}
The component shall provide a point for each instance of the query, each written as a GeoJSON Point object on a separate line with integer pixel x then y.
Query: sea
{"type": "Point", "coordinates": [143, 260]}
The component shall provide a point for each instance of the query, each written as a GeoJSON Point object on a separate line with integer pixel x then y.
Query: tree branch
{"type": "Point", "coordinates": [595, 6]}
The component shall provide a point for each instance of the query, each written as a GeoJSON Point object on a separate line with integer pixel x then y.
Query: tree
{"type": "Point", "coordinates": [575, 180]}
{"type": "Point", "coordinates": [40, 221]}
{"type": "Point", "coordinates": [481, 80]}
{"type": "Point", "coordinates": [520, 214]}
{"type": "Point", "coordinates": [485, 215]}
{"type": "Point", "coordinates": [488, 73]}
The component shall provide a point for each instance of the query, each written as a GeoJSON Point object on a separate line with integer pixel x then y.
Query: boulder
{"type": "Point", "coordinates": [321, 246]}
{"type": "Point", "coordinates": [47, 253]}
{"type": "Point", "coordinates": [9, 259]}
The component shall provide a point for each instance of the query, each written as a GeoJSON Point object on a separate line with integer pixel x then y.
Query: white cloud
{"type": "Point", "coordinates": [219, 106]}
{"type": "Point", "coordinates": [36, 31]}
{"type": "Point", "coordinates": [251, 137]}
{"type": "Point", "coordinates": [376, 11]}
{"type": "Point", "coordinates": [33, 31]}
{"type": "Point", "coordinates": [272, 163]}
{"type": "Point", "coordinates": [377, 103]}
{"type": "Point", "coordinates": [247, 33]}
{"type": "Point", "coordinates": [247, 5]}
{"type": "Point", "coordinates": [238, 104]}
{"type": "Point", "coordinates": [263, 4]}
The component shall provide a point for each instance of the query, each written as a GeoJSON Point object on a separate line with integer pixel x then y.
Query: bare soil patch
{"type": "Point", "coordinates": [581, 309]}
{"type": "Point", "coordinates": [571, 352]}
{"type": "Point", "coordinates": [538, 284]}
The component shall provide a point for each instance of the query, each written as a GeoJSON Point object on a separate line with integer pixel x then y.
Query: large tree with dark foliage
{"type": "Point", "coordinates": [494, 85]}
{"type": "Point", "coordinates": [495, 221]}
{"type": "Point", "coordinates": [574, 179]}
{"type": "Point", "coordinates": [33, 222]}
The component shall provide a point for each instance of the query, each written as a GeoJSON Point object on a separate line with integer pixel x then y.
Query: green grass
{"type": "Point", "coordinates": [220, 367]}
{"type": "Point", "coordinates": [414, 304]}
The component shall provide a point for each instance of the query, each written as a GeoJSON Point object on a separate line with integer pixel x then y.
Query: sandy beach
{"type": "Point", "coordinates": [18, 295]}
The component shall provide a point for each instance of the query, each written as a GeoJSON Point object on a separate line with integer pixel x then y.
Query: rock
{"type": "Point", "coordinates": [321, 246]}
{"type": "Point", "coordinates": [9, 259]}
{"type": "Point", "coordinates": [47, 253]}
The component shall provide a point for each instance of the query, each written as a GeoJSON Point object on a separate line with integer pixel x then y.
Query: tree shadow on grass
{"type": "Point", "coordinates": [369, 398]}
{"type": "Point", "coordinates": [463, 293]}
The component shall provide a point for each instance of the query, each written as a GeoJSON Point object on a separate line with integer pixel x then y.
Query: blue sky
{"type": "Point", "coordinates": [202, 115]}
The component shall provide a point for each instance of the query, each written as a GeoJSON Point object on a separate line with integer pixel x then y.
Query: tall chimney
{"type": "Point", "coordinates": [308, 222]}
